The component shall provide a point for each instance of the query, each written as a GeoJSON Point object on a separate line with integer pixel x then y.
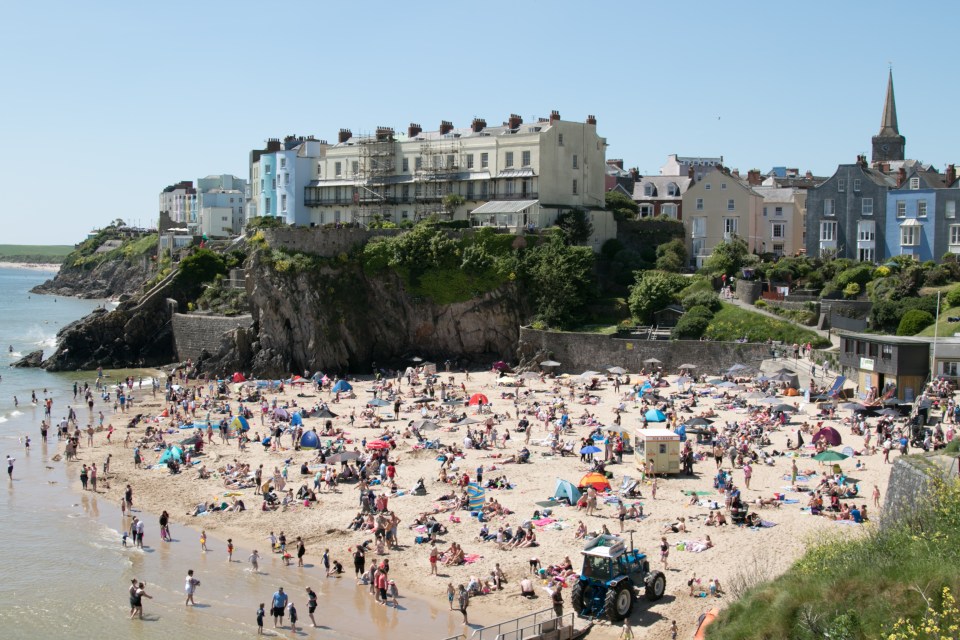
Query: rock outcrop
{"type": "Point", "coordinates": [343, 319]}
{"type": "Point", "coordinates": [105, 280]}
{"type": "Point", "coordinates": [32, 359]}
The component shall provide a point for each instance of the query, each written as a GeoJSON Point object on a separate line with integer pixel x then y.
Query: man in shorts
{"type": "Point", "coordinates": [278, 606]}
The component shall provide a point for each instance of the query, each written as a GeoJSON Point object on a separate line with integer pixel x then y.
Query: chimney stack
{"type": "Point", "coordinates": [344, 135]}
{"type": "Point", "coordinates": [951, 175]}
{"type": "Point", "coordinates": [690, 173]}
{"type": "Point", "coordinates": [445, 127]}
{"type": "Point", "coordinates": [592, 120]}
{"type": "Point", "coordinates": [735, 173]}
{"type": "Point", "coordinates": [617, 162]}
{"type": "Point", "coordinates": [555, 115]}
{"type": "Point", "coordinates": [634, 172]}
{"type": "Point", "coordinates": [515, 121]}
{"type": "Point", "coordinates": [273, 144]}
{"type": "Point", "coordinates": [901, 176]}
{"type": "Point", "coordinates": [414, 130]}
{"type": "Point", "coordinates": [808, 175]}
{"type": "Point", "coordinates": [478, 125]}
{"type": "Point", "coordinates": [753, 178]}
{"type": "Point", "coordinates": [384, 133]}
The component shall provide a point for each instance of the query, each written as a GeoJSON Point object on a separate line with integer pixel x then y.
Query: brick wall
{"type": "Point", "coordinates": [585, 351]}
{"type": "Point", "coordinates": [192, 333]}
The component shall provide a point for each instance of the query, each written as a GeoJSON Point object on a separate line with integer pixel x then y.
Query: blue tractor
{"type": "Point", "coordinates": [610, 578]}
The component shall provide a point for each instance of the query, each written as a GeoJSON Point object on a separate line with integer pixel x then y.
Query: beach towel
{"type": "Point", "coordinates": [542, 522]}
{"type": "Point", "coordinates": [471, 558]}
{"type": "Point", "coordinates": [767, 524]}
{"type": "Point", "coordinates": [789, 501]}
{"type": "Point", "coordinates": [799, 478]}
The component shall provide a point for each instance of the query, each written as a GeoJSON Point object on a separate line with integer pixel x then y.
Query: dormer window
{"type": "Point", "coordinates": [673, 190]}
{"type": "Point", "coordinates": [914, 183]}
{"type": "Point", "coordinates": [649, 190]}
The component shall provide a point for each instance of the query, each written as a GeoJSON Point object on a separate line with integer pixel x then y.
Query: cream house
{"type": "Point", "coordinates": [720, 207]}
{"type": "Point", "coordinates": [513, 175]}
{"type": "Point", "coordinates": [782, 223]}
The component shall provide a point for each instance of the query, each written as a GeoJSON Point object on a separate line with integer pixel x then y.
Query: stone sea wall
{"type": "Point", "coordinates": [192, 333]}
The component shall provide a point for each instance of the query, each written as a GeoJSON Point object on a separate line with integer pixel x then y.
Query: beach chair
{"type": "Point", "coordinates": [627, 486]}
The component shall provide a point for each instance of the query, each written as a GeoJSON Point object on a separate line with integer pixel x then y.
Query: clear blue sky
{"type": "Point", "coordinates": [105, 103]}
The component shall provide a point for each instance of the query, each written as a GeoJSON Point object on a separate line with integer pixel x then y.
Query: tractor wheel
{"type": "Point", "coordinates": [656, 586]}
{"type": "Point", "coordinates": [576, 597]}
{"type": "Point", "coordinates": [619, 602]}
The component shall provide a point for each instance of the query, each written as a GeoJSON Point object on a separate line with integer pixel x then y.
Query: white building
{"type": "Point", "coordinates": [220, 200]}
{"type": "Point", "coordinates": [784, 213]}
{"type": "Point", "coordinates": [513, 175]}
{"type": "Point", "coordinates": [179, 201]}
{"type": "Point", "coordinates": [681, 166]}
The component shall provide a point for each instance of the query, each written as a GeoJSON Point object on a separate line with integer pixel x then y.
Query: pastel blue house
{"type": "Point", "coordinates": [922, 215]}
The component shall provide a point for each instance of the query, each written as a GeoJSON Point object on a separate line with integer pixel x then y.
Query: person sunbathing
{"type": "Point", "coordinates": [581, 530]}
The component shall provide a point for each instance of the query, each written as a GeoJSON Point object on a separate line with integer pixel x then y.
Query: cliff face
{"type": "Point", "coordinates": [340, 318]}
{"type": "Point", "coordinates": [105, 280]}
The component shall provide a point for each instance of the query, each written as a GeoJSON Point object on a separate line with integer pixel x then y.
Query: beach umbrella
{"type": "Point", "coordinates": [507, 380]}
{"type": "Point", "coordinates": [240, 423]}
{"type": "Point", "coordinates": [755, 395]}
{"type": "Point", "coordinates": [853, 406]}
{"type": "Point", "coordinates": [726, 384]}
{"type": "Point", "coordinates": [655, 415]}
{"type": "Point", "coordinates": [425, 425]}
{"type": "Point", "coordinates": [786, 408]}
{"type": "Point", "coordinates": [830, 456]}
{"type": "Point", "coordinates": [530, 375]}
{"type": "Point", "coordinates": [687, 366]}
{"type": "Point", "coordinates": [892, 413]}
{"type": "Point", "coordinates": [192, 440]}
{"type": "Point", "coordinates": [500, 365]}
{"type": "Point", "coordinates": [737, 367]}
{"type": "Point", "coordinates": [296, 420]}
{"type": "Point", "coordinates": [466, 421]}
{"type": "Point", "coordinates": [789, 378]}
{"type": "Point", "coordinates": [452, 402]}
{"type": "Point", "coordinates": [281, 414]}
{"type": "Point", "coordinates": [590, 449]}
{"type": "Point", "coordinates": [829, 435]}
{"type": "Point", "coordinates": [422, 400]}
{"type": "Point", "coordinates": [416, 359]}
{"type": "Point", "coordinates": [478, 398]}
{"type": "Point", "coordinates": [325, 413]}
{"type": "Point", "coordinates": [596, 480]}
{"type": "Point", "coordinates": [377, 402]}
{"type": "Point", "coordinates": [342, 386]}
{"type": "Point", "coordinates": [786, 371]}
{"type": "Point", "coordinates": [717, 381]}
{"type": "Point", "coordinates": [549, 363]}
{"type": "Point", "coordinates": [697, 422]}
{"type": "Point", "coordinates": [652, 361]}
{"type": "Point", "coordinates": [769, 400]}
{"type": "Point", "coordinates": [475, 495]}
{"type": "Point", "coordinates": [344, 456]}
{"type": "Point", "coordinates": [617, 371]}
{"type": "Point", "coordinates": [589, 374]}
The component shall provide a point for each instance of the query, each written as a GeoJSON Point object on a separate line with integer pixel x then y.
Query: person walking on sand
{"type": "Point", "coordinates": [190, 587]}
{"type": "Point", "coordinates": [254, 560]}
{"type": "Point", "coordinates": [260, 614]}
{"type": "Point", "coordinates": [463, 601]}
{"type": "Point", "coordinates": [311, 605]}
{"type": "Point", "coordinates": [664, 552]}
{"type": "Point", "coordinates": [876, 496]}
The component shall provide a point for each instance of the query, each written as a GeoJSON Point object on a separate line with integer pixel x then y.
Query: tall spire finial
{"type": "Point", "coordinates": [888, 125]}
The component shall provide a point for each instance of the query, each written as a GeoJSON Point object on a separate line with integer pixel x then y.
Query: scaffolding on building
{"type": "Point", "coordinates": [435, 173]}
{"type": "Point", "coordinates": [373, 199]}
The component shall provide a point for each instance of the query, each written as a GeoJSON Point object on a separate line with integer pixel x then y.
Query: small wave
{"type": "Point", "coordinates": [14, 354]}
{"type": "Point", "coordinates": [16, 413]}
{"type": "Point", "coordinates": [2, 419]}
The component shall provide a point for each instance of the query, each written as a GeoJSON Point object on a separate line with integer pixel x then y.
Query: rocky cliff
{"type": "Point", "coordinates": [339, 318]}
{"type": "Point", "coordinates": [116, 277]}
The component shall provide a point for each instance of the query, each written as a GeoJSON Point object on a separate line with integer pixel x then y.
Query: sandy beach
{"type": "Point", "coordinates": [324, 524]}
{"type": "Point", "coordinates": [36, 266]}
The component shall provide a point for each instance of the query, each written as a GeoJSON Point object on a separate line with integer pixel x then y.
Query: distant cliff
{"type": "Point", "coordinates": [107, 265]}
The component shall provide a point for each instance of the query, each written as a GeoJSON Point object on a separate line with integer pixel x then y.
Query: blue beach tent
{"type": "Point", "coordinates": [342, 386]}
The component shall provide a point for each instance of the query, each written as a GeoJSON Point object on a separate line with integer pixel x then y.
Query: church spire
{"type": "Point", "coordinates": [888, 125]}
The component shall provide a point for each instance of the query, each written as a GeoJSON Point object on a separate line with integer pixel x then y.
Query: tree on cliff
{"type": "Point", "coordinates": [561, 276]}
{"type": "Point", "coordinates": [622, 205]}
{"type": "Point", "coordinates": [653, 291]}
{"type": "Point", "coordinates": [728, 257]}
{"type": "Point", "coordinates": [576, 226]}
{"type": "Point", "coordinates": [200, 267]}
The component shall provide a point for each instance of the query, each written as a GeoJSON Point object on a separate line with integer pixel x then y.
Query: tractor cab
{"type": "Point", "coordinates": [611, 573]}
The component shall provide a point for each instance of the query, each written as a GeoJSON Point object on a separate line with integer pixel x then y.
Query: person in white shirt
{"type": "Point", "coordinates": [190, 587]}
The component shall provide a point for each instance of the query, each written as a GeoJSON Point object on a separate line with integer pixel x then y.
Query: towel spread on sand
{"type": "Point", "coordinates": [542, 522]}
{"type": "Point", "coordinates": [472, 557]}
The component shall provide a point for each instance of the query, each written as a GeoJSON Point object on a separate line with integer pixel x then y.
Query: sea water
{"type": "Point", "coordinates": [63, 570]}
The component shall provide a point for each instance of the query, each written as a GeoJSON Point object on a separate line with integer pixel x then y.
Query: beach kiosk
{"type": "Point", "coordinates": [660, 445]}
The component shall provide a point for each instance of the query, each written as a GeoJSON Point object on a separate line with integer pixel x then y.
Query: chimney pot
{"type": "Point", "coordinates": [478, 125]}
{"type": "Point", "coordinates": [690, 173]}
{"type": "Point", "coordinates": [809, 174]}
{"type": "Point", "coordinates": [951, 175]}
{"type": "Point", "coordinates": [445, 127]}
{"type": "Point", "coordinates": [344, 135]}
{"type": "Point", "coordinates": [736, 173]}
{"type": "Point", "coordinates": [515, 121]}
{"type": "Point", "coordinates": [413, 130]}
{"type": "Point", "coordinates": [591, 119]}
{"type": "Point", "coordinates": [753, 178]}
{"type": "Point", "coordinates": [901, 176]}
{"type": "Point", "coordinates": [554, 115]}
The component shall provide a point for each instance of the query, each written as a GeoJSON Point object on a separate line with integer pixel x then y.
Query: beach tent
{"type": "Point", "coordinates": [475, 494]}
{"type": "Point", "coordinates": [342, 386]}
{"type": "Point", "coordinates": [565, 489]}
{"type": "Point", "coordinates": [655, 415]}
{"type": "Point", "coordinates": [325, 413]}
{"type": "Point", "coordinates": [682, 432]}
{"type": "Point", "coordinates": [479, 398]}
{"type": "Point", "coordinates": [238, 377]}
{"type": "Point", "coordinates": [296, 420]}
{"type": "Point", "coordinates": [596, 480]}
{"type": "Point", "coordinates": [377, 402]}
{"type": "Point", "coordinates": [309, 440]}
{"type": "Point", "coordinates": [281, 414]}
{"type": "Point", "coordinates": [175, 453]}
{"type": "Point", "coordinates": [240, 424]}
{"type": "Point", "coordinates": [828, 434]}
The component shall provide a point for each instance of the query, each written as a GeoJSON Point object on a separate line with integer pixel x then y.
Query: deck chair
{"type": "Point", "coordinates": [627, 485]}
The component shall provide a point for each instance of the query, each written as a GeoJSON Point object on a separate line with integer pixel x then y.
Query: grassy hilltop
{"type": "Point", "coordinates": [40, 253]}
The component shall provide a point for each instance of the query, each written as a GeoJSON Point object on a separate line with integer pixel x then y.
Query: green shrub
{"type": "Point", "coordinates": [937, 276]}
{"type": "Point", "coordinates": [690, 327]}
{"type": "Point", "coordinates": [699, 311]}
{"type": "Point", "coordinates": [913, 322]}
{"type": "Point", "coordinates": [653, 291]}
{"type": "Point", "coordinates": [706, 299]}
{"type": "Point", "coordinates": [953, 297]}
{"type": "Point", "coordinates": [761, 304]}
{"type": "Point", "coordinates": [733, 323]}
{"type": "Point", "coordinates": [851, 291]}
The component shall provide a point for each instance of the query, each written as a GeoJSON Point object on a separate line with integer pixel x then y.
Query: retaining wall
{"type": "Point", "coordinates": [911, 479]}
{"type": "Point", "coordinates": [580, 352]}
{"type": "Point", "coordinates": [192, 333]}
